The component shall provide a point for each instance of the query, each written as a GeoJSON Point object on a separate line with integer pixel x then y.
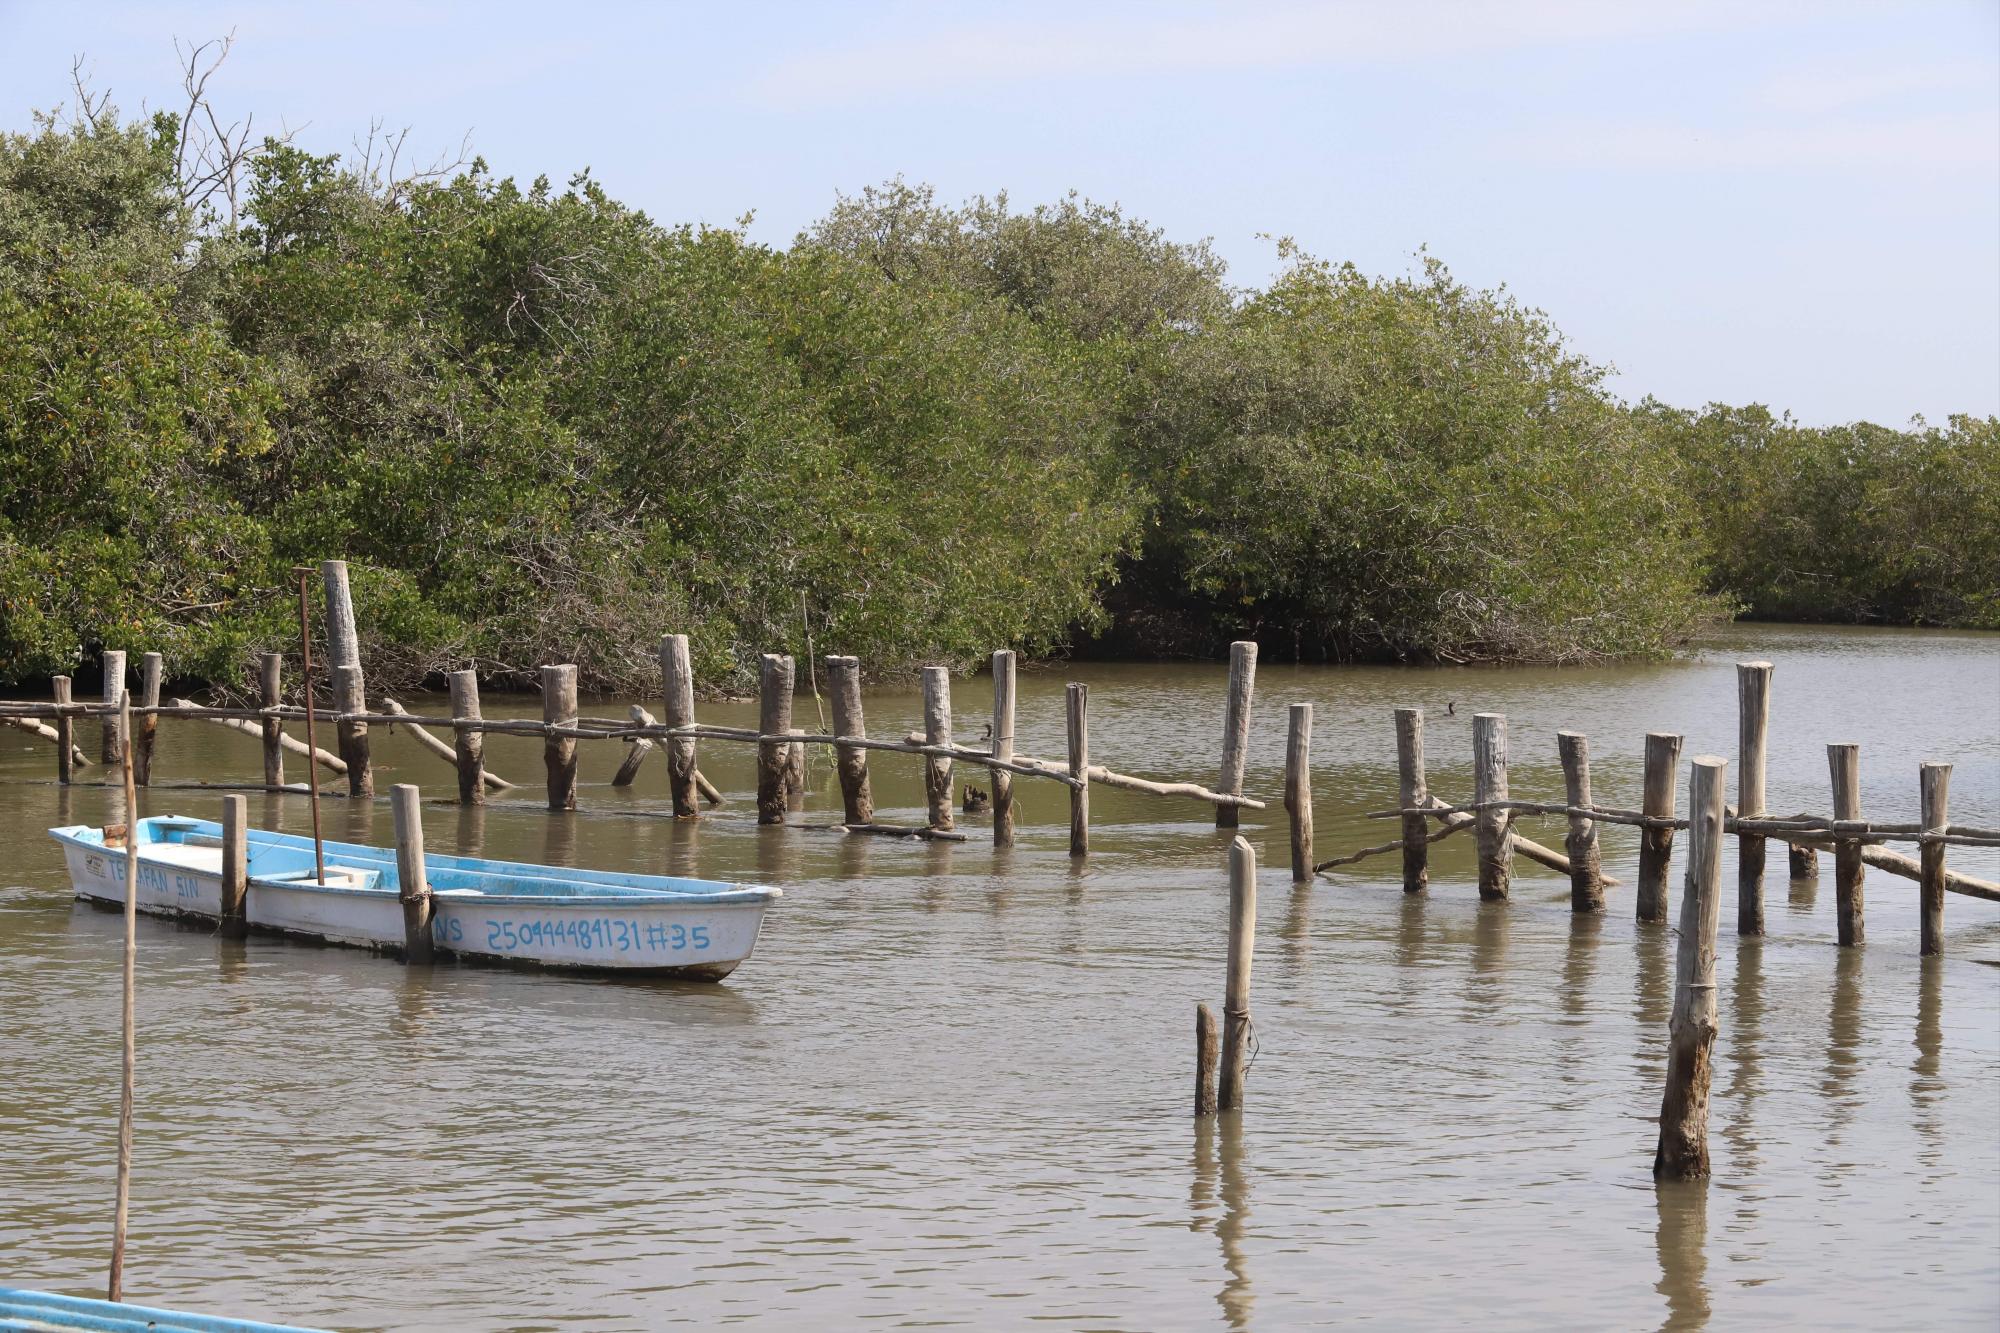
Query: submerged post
{"type": "Point", "coordinates": [1753, 718]}
{"type": "Point", "coordinates": [857, 799]}
{"type": "Point", "coordinates": [1683, 1147]}
{"type": "Point", "coordinates": [65, 732]}
{"type": "Point", "coordinates": [113, 751]}
{"type": "Point", "coordinates": [1935, 783]}
{"type": "Point", "coordinates": [937, 731]}
{"type": "Point", "coordinates": [774, 718]}
{"type": "Point", "coordinates": [1586, 870]}
{"type": "Point", "coordinates": [468, 743]}
{"type": "Point", "coordinates": [151, 667]}
{"type": "Point", "coordinates": [677, 701]}
{"type": "Point", "coordinates": [1844, 763]}
{"type": "Point", "coordinates": [1656, 845]}
{"type": "Point", "coordinates": [1802, 862]}
{"type": "Point", "coordinates": [1412, 792]}
{"type": "Point", "coordinates": [1489, 783]}
{"type": "Point", "coordinates": [1298, 788]}
{"type": "Point", "coordinates": [1236, 996]}
{"type": "Point", "coordinates": [235, 866]}
{"type": "Point", "coordinates": [1207, 1041]}
{"type": "Point", "coordinates": [1236, 727]}
{"type": "Point", "coordinates": [1076, 714]}
{"type": "Point", "coordinates": [559, 752]}
{"type": "Point", "coordinates": [271, 694]}
{"type": "Point", "coordinates": [413, 887]}
{"type": "Point", "coordinates": [1003, 746]}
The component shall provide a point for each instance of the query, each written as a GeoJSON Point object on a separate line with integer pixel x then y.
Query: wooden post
{"type": "Point", "coordinates": [343, 641]}
{"type": "Point", "coordinates": [795, 771]}
{"type": "Point", "coordinates": [1683, 1147]}
{"type": "Point", "coordinates": [1003, 746]}
{"type": "Point", "coordinates": [151, 667]}
{"type": "Point", "coordinates": [1076, 712]}
{"type": "Point", "coordinates": [774, 718]}
{"type": "Point", "coordinates": [113, 751]}
{"type": "Point", "coordinates": [352, 737]}
{"type": "Point", "coordinates": [1803, 862]}
{"type": "Point", "coordinates": [1207, 1040]}
{"type": "Point", "coordinates": [413, 887]}
{"type": "Point", "coordinates": [1844, 763]}
{"type": "Point", "coordinates": [677, 674]}
{"type": "Point", "coordinates": [857, 800]}
{"type": "Point", "coordinates": [271, 694]}
{"type": "Point", "coordinates": [1411, 792]}
{"type": "Point", "coordinates": [123, 723]}
{"type": "Point", "coordinates": [65, 733]}
{"type": "Point", "coordinates": [937, 731]}
{"type": "Point", "coordinates": [1489, 783]}
{"type": "Point", "coordinates": [1753, 719]}
{"type": "Point", "coordinates": [235, 867]}
{"type": "Point", "coordinates": [1298, 788]}
{"type": "Point", "coordinates": [1236, 996]}
{"type": "Point", "coordinates": [1656, 845]}
{"type": "Point", "coordinates": [1935, 782]}
{"type": "Point", "coordinates": [1586, 870]}
{"type": "Point", "coordinates": [559, 752]}
{"type": "Point", "coordinates": [1236, 727]}
{"type": "Point", "coordinates": [468, 745]}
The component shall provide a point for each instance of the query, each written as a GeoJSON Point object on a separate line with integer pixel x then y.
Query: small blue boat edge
{"type": "Point", "coordinates": [38, 1311]}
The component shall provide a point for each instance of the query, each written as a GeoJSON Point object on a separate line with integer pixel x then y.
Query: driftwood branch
{"type": "Point", "coordinates": [49, 734]}
{"type": "Point", "coordinates": [441, 749]}
{"type": "Point", "coordinates": [182, 708]}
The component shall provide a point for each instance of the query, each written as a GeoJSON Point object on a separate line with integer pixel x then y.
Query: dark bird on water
{"type": "Point", "coordinates": [1451, 709]}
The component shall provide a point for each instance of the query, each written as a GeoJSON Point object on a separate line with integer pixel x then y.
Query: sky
{"type": "Point", "coordinates": [1796, 204]}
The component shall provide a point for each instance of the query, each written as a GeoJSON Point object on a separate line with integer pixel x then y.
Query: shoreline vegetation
{"type": "Point", "coordinates": [542, 427]}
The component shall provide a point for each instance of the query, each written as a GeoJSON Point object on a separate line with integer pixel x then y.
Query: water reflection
{"type": "Point", "coordinates": [1651, 1002]}
{"type": "Point", "coordinates": [471, 830]}
{"type": "Point", "coordinates": [1219, 1162]}
{"type": "Point", "coordinates": [1296, 928]}
{"type": "Point", "coordinates": [1843, 1040]}
{"type": "Point", "coordinates": [1681, 1237]}
{"type": "Point", "coordinates": [1926, 1088]}
{"type": "Point", "coordinates": [559, 838]}
{"type": "Point", "coordinates": [1804, 890]}
{"type": "Point", "coordinates": [1486, 981]}
{"type": "Point", "coordinates": [1742, 1032]}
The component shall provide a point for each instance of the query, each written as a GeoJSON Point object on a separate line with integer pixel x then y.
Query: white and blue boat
{"type": "Point", "coordinates": [45, 1311]}
{"type": "Point", "coordinates": [545, 915]}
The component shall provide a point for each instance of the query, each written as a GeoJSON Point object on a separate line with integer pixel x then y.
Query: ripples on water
{"type": "Point", "coordinates": [952, 1085]}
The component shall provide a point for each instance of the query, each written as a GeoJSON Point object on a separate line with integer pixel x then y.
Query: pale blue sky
{"type": "Point", "coordinates": [1796, 204]}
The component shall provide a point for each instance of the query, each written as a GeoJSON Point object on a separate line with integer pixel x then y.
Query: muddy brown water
{"type": "Point", "coordinates": [952, 1085]}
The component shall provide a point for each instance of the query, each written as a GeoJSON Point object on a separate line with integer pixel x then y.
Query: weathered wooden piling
{"type": "Point", "coordinates": [857, 798]}
{"type": "Point", "coordinates": [937, 731]}
{"type": "Point", "coordinates": [1844, 764]}
{"type": "Point", "coordinates": [1489, 783]}
{"type": "Point", "coordinates": [65, 733]}
{"type": "Point", "coordinates": [1076, 716]}
{"type": "Point", "coordinates": [1935, 783]}
{"type": "Point", "coordinates": [113, 749]}
{"type": "Point", "coordinates": [1412, 792]}
{"type": "Point", "coordinates": [1236, 727]}
{"type": "Point", "coordinates": [468, 743]}
{"type": "Point", "coordinates": [152, 666]}
{"type": "Point", "coordinates": [1002, 746]}
{"type": "Point", "coordinates": [795, 772]}
{"type": "Point", "coordinates": [1298, 789]}
{"type": "Point", "coordinates": [1753, 720]}
{"type": "Point", "coordinates": [1802, 862]}
{"type": "Point", "coordinates": [350, 687]}
{"type": "Point", "coordinates": [271, 694]}
{"type": "Point", "coordinates": [559, 752]}
{"type": "Point", "coordinates": [774, 718]}
{"type": "Point", "coordinates": [1207, 1046]}
{"type": "Point", "coordinates": [1586, 869]}
{"type": "Point", "coordinates": [1683, 1146]}
{"type": "Point", "coordinates": [413, 886]}
{"type": "Point", "coordinates": [677, 701]}
{"type": "Point", "coordinates": [1236, 995]}
{"type": "Point", "coordinates": [235, 911]}
{"type": "Point", "coordinates": [1656, 845]}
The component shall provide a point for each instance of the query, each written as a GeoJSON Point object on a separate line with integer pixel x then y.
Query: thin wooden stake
{"type": "Point", "coordinates": [559, 752]}
{"type": "Point", "coordinates": [468, 745]}
{"type": "Point", "coordinates": [1656, 845]}
{"type": "Point", "coordinates": [1003, 746]}
{"type": "Point", "coordinates": [151, 667]}
{"type": "Point", "coordinates": [113, 749]}
{"type": "Point", "coordinates": [1683, 1147]}
{"type": "Point", "coordinates": [235, 910]}
{"type": "Point", "coordinates": [1411, 793]}
{"type": "Point", "coordinates": [1236, 727]}
{"type": "Point", "coordinates": [1236, 995]}
{"type": "Point", "coordinates": [937, 731]}
{"type": "Point", "coordinates": [1753, 720]}
{"type": "Point", "coordinates": [413, 887]}
{"type": "Point", "coordinates": [843, 682]}
{"type": "Point", "coordinates": [1586, 871]}
{"type": "Point", "coordinates": [130, 1054]}
{"type": "Point", "coordinates": [1207, 1046]}
{"type": "Point", "coordinates": [1076, 713]}
{"type": "Point", "coordinates": [1934, 781]}
{"type": "Point", "coordinates": [677, 675]}
{"type": "Point", "coordinates": [1489, 783]}
{"type": "Point", "coordinates": [1298, 789]}
{"type": "Point", "coordinates": [271, 694]}
{"type": "Point", "coordinates": [1844, 764]}
{"type": "Point", "coordinates": [774, 718]}
{"type": "Point", "coordinates": [65, 733]}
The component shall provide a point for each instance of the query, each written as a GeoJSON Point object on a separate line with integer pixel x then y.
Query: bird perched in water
{"type": "Point", "coordinates": [1451, 708]}
{"type": "Point", "coordinates": [975, 801]}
